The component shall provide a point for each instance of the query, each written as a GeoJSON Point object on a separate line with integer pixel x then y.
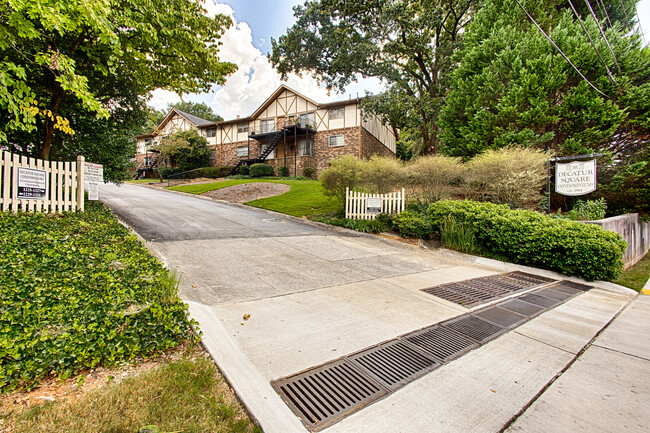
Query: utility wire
{"type": "Point", "coordinates": [609, 73]}
{"type": "Point", "coordinates": [559, 50]}
{"type": "Point", "coordinates": [603, 11]}
{"type": "Point", "coordinates": [602, 32]}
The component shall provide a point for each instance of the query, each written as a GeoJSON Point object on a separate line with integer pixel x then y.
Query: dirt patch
{"type": "Point", "coordinates": [248, 192]}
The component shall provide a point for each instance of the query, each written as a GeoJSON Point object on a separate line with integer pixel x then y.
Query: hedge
{"type": "Point", "coordinates": [535, 239]}
{"type": "Point", "coordinates": [211, 172]}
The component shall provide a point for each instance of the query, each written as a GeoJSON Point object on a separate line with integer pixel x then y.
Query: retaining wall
{"type": "Point", "coordinates": [634, 231]}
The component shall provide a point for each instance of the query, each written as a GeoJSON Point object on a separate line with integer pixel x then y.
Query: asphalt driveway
{"type": "Point", "coordinates": [312, 295]}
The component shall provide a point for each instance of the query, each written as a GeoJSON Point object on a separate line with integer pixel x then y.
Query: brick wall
{"type": "Point", "coordinates": [371, 146]}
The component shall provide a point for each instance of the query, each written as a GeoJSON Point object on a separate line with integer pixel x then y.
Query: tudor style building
{"type": "Point", "coordinates": [288, 130]}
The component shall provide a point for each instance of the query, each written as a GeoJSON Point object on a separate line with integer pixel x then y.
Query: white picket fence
{"type": "Point", "coordinates": [63, 181]}
{"type": "Point", "coordinates": [356, 204]}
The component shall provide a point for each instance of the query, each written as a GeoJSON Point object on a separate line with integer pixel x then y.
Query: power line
{"type": "Point", "coordinates": [609, 73]}
{"type": "Point", "coordinates": [603, 11]}
{"type": "Point", "coordinates": [559, 50]}
{"type": "Point", "coordinates": [602, 32]}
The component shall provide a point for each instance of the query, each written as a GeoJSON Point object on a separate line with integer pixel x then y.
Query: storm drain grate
{"type": "Point", "coordinates": [477, 291]}
{"type": "Point", "coordinates": [536, 299]}
{"type": "Point", "coordinates": [474, 328]}
{"type": "Point", "coordinates": [500, 316]}
{"type": "Point", "coordinates": [554, 294]}
{"type": "Point", "coordinates": [521, 307]}
{"type": "Point", "coordinates": [394, 364]}
{"type": "Point", "coordinates": [323, 395]}
{"type": "Point", "coordinates": [442, 343]}
{"type": "Point", "coordinates": [566, 285]}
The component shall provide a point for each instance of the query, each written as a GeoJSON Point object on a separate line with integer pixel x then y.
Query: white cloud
{"type": "Point", "coordinates": [255, 80]}
{"type": "Point", "coordinates": [161, 98]}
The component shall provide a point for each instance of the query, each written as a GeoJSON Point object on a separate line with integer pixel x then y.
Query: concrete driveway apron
{"type": "Point", "coordinates": [316, 294]}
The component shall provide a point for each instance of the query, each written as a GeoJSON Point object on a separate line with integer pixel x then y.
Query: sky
{"type": "Point", "coordinates": [247, 43]}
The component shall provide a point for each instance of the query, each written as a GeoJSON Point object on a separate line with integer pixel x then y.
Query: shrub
{"type": "Point", "coordinates": [245, 170]}
{"type": "Point", "coordinates": [534, 239]}
{"type": "Point", "coordinates": [431, 178]}
{"type": "Point", "coordinates": [309, 172]}
{"type": "Point", "coordinates": [261, 170]}
{"type": "Point", "coordinates": [365, 226]}
{"type": "Point", "coordinates": [381, 175]}
{"type": "Point", "coordinates": [588, 210]}
{"type": "Point", "coordinates": [343, 172]}
{"type": "Point", "coordinates": [187, 149]}
{"type": "Point", "coordinates": [410, 224]}
{"type": "Point", "coordinates": [511, 175]}
{"type": "Point", "coordinates": [283, 171]}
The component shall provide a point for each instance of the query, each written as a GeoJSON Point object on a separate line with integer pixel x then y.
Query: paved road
{"type": "Point", "coordinates": [315, 295]}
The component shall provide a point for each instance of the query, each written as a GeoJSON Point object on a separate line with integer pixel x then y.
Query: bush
{"type": "Point", "coordinates": [410, 224]}
{"type": "Point", "coordinates": [309, 172]}
{"type": "Point", "coordinates": [261, 170]}
{"type": "Point", "coordinates": [381, 175]}
{"type": "Point", "coordinates": [283, 171]}
{"type": "Point", "coordinates": [512, 176]}
{"type": "Point", "coordinates": [459, 236]}
{"type": "Point", "coordinates": [343, 172]}
{"type": "Point", "coordinates": [187, 149]}
{"type": "Point", "coordinates": [211, 172]}
{"type": "Point", "coordinates": [431, 178]}
{"type": "Point", "coordinates": [78, 290]}
{"type": "Point", "coordinates": [245, 170]}
{"type": "Point", "coordinates": [377, 225]}
{"type": "Point", "coordinates": [534, 239]}
{"type": "Point", "coordinates": [588, 210]}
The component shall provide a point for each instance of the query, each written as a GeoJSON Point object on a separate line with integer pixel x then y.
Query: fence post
{"type": "Point", "coordinates": [80, 183]}
{"type": "Point", "coordinates": [347, 202]}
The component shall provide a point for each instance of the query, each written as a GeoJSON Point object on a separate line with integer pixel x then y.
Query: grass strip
{"type": "Point", "coordinates": [187, 396]}
{"type": "Point", "coordinates": [636, 276]}
{"type": "Point", "coordinates": [306, 197]}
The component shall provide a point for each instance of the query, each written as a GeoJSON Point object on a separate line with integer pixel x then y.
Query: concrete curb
{"type": "Point", "coordinates": [646, 288]}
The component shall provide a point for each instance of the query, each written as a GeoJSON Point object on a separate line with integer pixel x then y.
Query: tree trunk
{"type": "Point", "coordinates": [57, 98]}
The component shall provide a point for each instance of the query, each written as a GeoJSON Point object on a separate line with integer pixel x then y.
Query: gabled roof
{"type": "Point", "coordinates": [277, 93]}
{"type": "Point", "coordinates": [195, 120]}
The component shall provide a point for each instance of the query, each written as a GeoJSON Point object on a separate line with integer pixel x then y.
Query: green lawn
{"type": "Point", "coordinates": [636, 276]}
{"type": "Point", "coordinates": [306, 197]}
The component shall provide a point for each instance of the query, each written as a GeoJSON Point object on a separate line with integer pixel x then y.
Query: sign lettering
{"type": "Point", "coordinates": [373, 205]}
{"type": "Point", "coordinates": [575, 178]}
{"type": "Point", "coordinates": [31, 184]}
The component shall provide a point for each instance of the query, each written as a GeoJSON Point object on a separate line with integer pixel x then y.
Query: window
{"type": "Point", "coordinates": [306, 147]}
{"type": "Point", "coordinates": [307, 120]}
{"type": "Point", "coordinates": [213, 154]}
{"type": "Point", "coordinates": [147, 161]}
{"type": "Point", "coordinates": [337, 113]}
{"type": "Point", "coordinates": [242, 151]}
{"type": "Point", "coordinates": [267, 125]}
{"type": "Point", "coordinates": [211, 132]}
{"type": "Point", "coordinates": [242, 127]}
{"type": "Point", "coordinates": [271, 155]}
{"type": "Point", "coordinates": [148, 142]}
{"type": "Point", "coordinates": [336, 140]}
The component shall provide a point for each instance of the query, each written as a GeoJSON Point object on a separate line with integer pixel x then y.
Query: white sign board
{"type": "Point", "coordinates": [93, 172]}
{"type": "Point", "coordinates": [373, 205]}
{"type": "Point", "coordinates": [93, 191]}
{"type": "Point", "coordinates": [575, 178]}
{"type": "Point", "coordinates": [31, 184]}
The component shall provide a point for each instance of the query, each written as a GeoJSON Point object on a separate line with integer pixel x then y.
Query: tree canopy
{"type": "Point", "coordinates": [514, 87]}
{"type": "Point", "coordinates": [199, 109]}
{"type": "Point", "coordinates": [407, 43]}
{"type": "Point", "coordinates": [102, 57]}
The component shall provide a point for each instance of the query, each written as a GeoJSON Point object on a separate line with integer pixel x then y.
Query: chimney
{"type": "Point", "coordinates": [238, 116]}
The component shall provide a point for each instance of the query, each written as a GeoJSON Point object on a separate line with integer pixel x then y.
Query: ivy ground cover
{"type": "Point", "coordinates": [78, 290]}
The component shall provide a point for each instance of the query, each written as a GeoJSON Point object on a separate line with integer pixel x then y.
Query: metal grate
{"type": "Point", "coordinates": [394, 364]}
{"type": "Point", "coordinates": [554, 294]}
{"type": "Point", "coordinates": [474, 328]}
{"type": "Point", "coordinates": [323, 395]}
{"type": "Point", "coordinates": [442, 343]}
{"type": "Point", "coordinates": [477, 291]}
{"type": "Point", "coordinates": [539, 300]}
{"type": "Point", "coordinates": [501, 317]}
{"type": "Point", "coordinates": [570, 285]}
{"type": "Point", "coordinates": [521, 307]}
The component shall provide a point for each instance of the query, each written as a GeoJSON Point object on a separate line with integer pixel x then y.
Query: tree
{"type": "Point", "coordinates": [186, 150]}
{"type": "Point", "coordinates": [52, 51]}
{"type": "Point", "coordinates": [514, 87]}
{"type": "Point", "coordinates": [407, 43]}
